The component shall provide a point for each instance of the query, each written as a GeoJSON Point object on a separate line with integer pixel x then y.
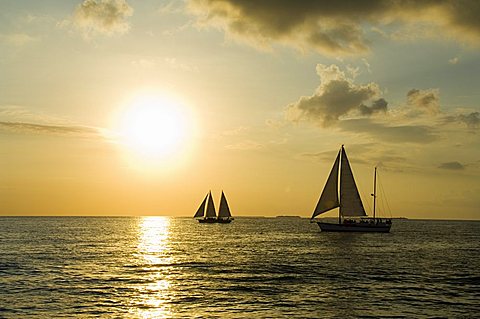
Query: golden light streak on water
{"type": "Point", "coordinates": [153, 248]}
{"type": "Point", "coordinates": [153, 244]}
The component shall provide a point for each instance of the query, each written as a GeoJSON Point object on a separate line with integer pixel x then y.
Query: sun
{"type": "Point", "coordinates": [154, 126]}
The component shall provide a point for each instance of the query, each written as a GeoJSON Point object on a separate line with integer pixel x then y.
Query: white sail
{"type": "Point", "coordinates": [350, 201]}
{"type": "Point", "coordinates": [201, 209]}
{"type": "Point", "coordinates": [329, 198]}
{"type": "Point", "coordinates": [210, 207]}
{"type": "Point", "coordinates": [224, 210]}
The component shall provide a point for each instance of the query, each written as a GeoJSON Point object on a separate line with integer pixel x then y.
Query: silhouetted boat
{"type": "Point", "coordinates": [208, 214]}
{"type": "Point", "coordinates": [349, 203]}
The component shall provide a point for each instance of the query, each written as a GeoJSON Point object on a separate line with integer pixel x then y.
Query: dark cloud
{"type": "Point", "coordinates": [472, 120]}
{"type": "Point", "coordinates": [394, 134]}
{"type": "Point", "coordinates": [334, 27]}
{"type": "Point", "coordinates": [336, 96]}
{"type": "Point", "coordinates": [102, 16]}
{"type": "Point", "coordinates": [21, 127]}
{"type": "Point", "coordinates": [426, 101]}
{"type": "Point", "coordinates": [379, 105]}
{"type": "Point", "coordinates": [456, 166]}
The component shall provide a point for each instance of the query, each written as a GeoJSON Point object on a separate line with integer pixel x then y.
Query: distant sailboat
{"type": "Point", "coordinates": [208, 214]}
{"type": "Point", "coordinates": [350, 203]}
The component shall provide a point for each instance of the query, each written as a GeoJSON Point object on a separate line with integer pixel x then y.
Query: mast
{"type": "Point", "coordinates": [350, 200]}
{"type": "Point", "coordinates": [339, 189]}
{"type": "Point", "coordinates": [374, 191]}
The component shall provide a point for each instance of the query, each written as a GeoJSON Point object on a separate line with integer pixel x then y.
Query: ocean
{"type": "Point", "coordinates": [162, 267]}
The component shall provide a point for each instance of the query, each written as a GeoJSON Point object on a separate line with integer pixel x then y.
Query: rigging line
{"type": "Point", "coordinates": [384, 196]}
{"type": "Point", "coordinates": [366, 202]}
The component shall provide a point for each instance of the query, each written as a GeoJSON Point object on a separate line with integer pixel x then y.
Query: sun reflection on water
{"type": "Point", "coordinates": [154, 258]}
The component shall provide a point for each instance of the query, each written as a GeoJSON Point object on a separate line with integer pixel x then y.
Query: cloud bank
{"type": "Point", "coordinates": [17, 39]}
{"type": "Point", "coordinates": [340, 103]}
{"type": "Point", "coordinates": [334, 27]}
{"type": "Point", "coordinates": [470, 120]}
{"type": "Point", "coordinates": [23, 127]}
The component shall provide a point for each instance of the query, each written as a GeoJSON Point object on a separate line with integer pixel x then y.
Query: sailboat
{"type": "Point", "coordinates": [342, 192]}
{"type": "Point", "coordinates": [208, 214]}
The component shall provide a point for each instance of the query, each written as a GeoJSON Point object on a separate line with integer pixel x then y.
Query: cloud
{"type": "Point", "coordinates": [324, 156]}
{"type": "Point", "coordinates": [453, 60]}
{"type": "Point", "coordinates": [455, 166]}
{"type": "Point", "coordinates": [358, 109]}
{"type": "Point", "coordinates": [175, 64]}
{"type": "Point", "coordinates": [236, 131]}
{"type": "Point", "coordinates": [32, 128]}
{"type": "Point", "coordinates": [336, 96]}
{"type": "Point", "coordinates": [419, 134]}
{"type": "Point", "coordinates": [17, 39]}
{"type": "Point", "coordinates": [366, 153]}
{"type": "Point", "coordinates": [107, 17]}
{"type": "Point", "coordinates": [275, 123]}
{"type": "Point", "coordinates": [379, 105]}
{"type": "Point", "coordinates": [335, 27]}
{"type": "Point", "coordinates": [471, 120]}
{"type": "Point", "coordinates": [367, 65]}
{"type": "Point", "coordinates": [170, 7]}
{"type": "Point", "coordinates": [13, 111]}
{"type": "Point", "coordinates": [425, 101]}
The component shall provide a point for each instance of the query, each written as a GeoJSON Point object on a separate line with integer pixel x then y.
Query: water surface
{"type": "Point", "coordinates": [160, 267]}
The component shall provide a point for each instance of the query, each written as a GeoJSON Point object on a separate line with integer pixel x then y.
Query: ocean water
{"type": "Point", "coordinates": [160, 267]}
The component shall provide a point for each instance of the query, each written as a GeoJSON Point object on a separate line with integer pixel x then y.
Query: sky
{"type": "Point", "coordinates": [124, 107]}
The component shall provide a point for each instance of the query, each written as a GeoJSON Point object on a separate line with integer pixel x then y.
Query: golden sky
{"type": "Point", "coordinates": [122, 107]}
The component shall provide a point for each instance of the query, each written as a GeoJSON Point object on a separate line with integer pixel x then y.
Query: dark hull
{"type": "Point", "coordinates": [214, 221]}
{"type": "Point", "coordinates": [357, 227]}
{"type": "Point", "coordinates": [207, 221]}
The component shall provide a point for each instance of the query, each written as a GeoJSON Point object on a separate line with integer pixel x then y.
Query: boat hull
{"type": "Point", "coordinates": [207, 221]}
{"type": "Point", "coordinates": [357, 227]}
{"type": "Point", "coordinates": [215, 220]}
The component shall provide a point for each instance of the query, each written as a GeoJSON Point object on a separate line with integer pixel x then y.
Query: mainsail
{"type": "Point", "coordinates": [329, 198]}
{"type": "Point", "coordinates": [224, 210]}
{"type": "Point", "coordinates": [201, 209]}
{"type": "Point", "coordinates": [350, 201]}
{"type": "Point", "coordinates": [210, 207]}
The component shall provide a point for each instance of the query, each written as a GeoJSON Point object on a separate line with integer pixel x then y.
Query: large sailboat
{"type": "Point", "coordinates": [342, 192]}
{"type": "Point", "coordinates": [206, 212]}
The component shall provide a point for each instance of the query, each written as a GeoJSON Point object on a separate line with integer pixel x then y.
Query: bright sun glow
{"type": "Point", "coordinates": [154, 126]}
